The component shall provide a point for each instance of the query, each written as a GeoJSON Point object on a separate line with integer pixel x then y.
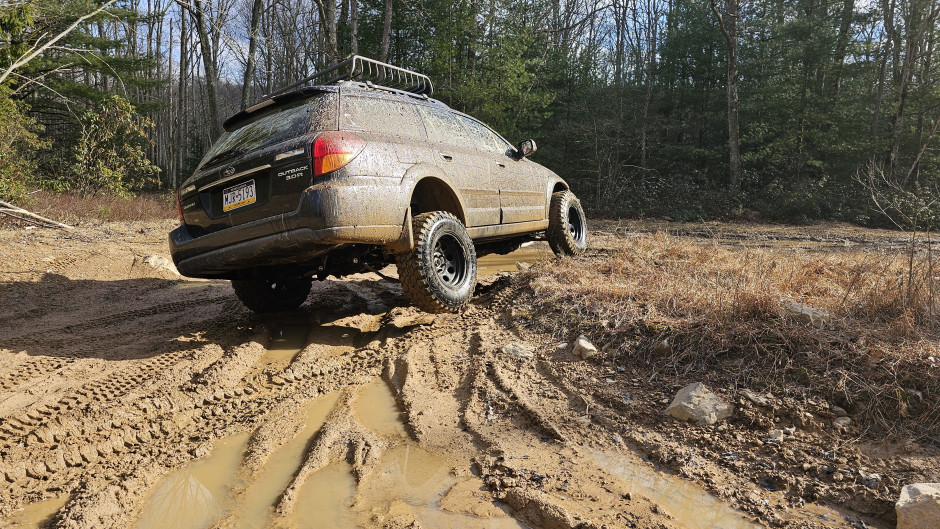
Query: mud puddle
{"type": "Point", "coordinates": [286, 341]}
{"type": "Point", "coordinates": [38, 515]}
{"type": "Point", "coordinates": [408, 482]}
{"type": "Point", "coordinates": [530, 253]}
{"type": "Point", "coordinates": [194, 497]}
{"type": "Point", "coordinates": [377, 410]}
{"type": "Point", "coordinates": [691, 506]}
{"type": "Point", "coordinates": [254, 508]}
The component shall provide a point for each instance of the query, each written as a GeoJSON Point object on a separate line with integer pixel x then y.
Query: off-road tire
{"type": "Point", "coordinates": [440, 273]}
{"type": "Point", "coordinates": [272, 295]}
{"type": "Point", "coordinates": [567, 225]}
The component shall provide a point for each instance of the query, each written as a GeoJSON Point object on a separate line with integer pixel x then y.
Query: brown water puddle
{"type": "Point", "coordinates": [286, 341]}
{"type": "Point", "coordinates": [195, 496]}
{"type": "Point", "coordinates": [377, 410]}
{"type": "Point", "coordinates": [408, 482]}
{"type": "Point", "coordinates": [531, 253]}
{"type": "Point", "coordinates": [38, 515]}
{"type": "Point", "coordinates": [691, 505]}
{"type": "Point", "coordinates": [254, 507]}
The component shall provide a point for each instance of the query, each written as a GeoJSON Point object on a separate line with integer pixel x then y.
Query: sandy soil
{"type": "Point", "coordinates": [115, 376]}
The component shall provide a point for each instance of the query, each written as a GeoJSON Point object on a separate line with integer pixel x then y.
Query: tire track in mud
{"type": "Point", "coordinates": [64, 352]}
{"type": "Point", "coordinates": [229, 392]}
{"type": "Point", "coordinates": [116, 385]}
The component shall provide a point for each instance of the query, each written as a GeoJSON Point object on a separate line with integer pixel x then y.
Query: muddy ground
{"type": "Point", "coordinates": [132, 397]}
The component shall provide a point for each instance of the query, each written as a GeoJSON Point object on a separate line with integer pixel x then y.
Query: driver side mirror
{"type": "Point", "coordinates": [525, 148]}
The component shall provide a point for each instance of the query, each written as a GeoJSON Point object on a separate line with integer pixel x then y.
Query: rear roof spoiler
{"type": "Point", "coordinates": [231, 122]}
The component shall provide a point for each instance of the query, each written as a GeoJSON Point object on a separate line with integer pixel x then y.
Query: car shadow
{"type": "Point", "coordinates": [131, 319]}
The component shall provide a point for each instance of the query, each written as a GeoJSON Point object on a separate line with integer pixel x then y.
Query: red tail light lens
{"type": "Point", "coordinates": [333, 150]}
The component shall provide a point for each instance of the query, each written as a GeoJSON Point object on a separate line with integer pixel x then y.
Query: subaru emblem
{"type": "Point", "coordinates": [229, 172]}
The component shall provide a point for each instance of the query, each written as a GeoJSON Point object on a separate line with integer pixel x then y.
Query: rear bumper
{"type": "Point", "coordinates": [327, 216]}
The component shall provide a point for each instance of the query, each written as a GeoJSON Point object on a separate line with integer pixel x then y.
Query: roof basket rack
{"type": "Point", "coordinates": [359, 68]}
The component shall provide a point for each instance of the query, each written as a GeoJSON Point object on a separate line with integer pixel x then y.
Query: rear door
{"type": "Point", "coordinates": [467, 161]}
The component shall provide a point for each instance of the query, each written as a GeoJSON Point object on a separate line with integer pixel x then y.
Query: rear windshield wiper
{"type": "Point", "coordinates": [224, 155]}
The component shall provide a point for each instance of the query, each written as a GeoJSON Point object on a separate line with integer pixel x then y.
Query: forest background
{"type": "Point", "coordinates": [790, 110]}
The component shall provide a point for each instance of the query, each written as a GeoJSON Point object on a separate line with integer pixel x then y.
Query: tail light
{"type": "Point", "coordinates": [179, 207]}
{"type": "Point", "coordinates": [333, 150]}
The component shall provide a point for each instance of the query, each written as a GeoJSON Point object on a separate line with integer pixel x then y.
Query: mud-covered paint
{"type": "Point", "coordinates": [418, 156]}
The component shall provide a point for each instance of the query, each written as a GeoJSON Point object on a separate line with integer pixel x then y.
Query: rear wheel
{"type": "Point", "coordinates": [270, 295]}
{"type": "Point", "coordinates": [567, 225]}
{"type": "Point", "coordinates": [440, 273]}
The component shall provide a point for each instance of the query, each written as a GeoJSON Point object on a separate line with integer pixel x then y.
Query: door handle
{"type": "Point", "coordinates": [447, 157]}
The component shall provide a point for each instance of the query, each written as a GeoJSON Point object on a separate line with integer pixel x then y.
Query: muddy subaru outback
{"type": "Point", "coordinates": [361, 171]}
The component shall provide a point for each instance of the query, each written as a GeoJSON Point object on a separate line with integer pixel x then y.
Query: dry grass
{"type": "Point", "coordinates": [77, 209]}
{"type": "Point", "coordinates": [722, 312]}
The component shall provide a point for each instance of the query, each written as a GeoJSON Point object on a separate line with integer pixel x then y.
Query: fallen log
{"type": "Point", "coordinates": [19, 213]}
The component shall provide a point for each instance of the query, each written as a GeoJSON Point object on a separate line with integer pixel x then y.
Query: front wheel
{"type": "Point", "coordinates": [439, 274]}
{"type": "Point", "coordinates": [567, 225]}
{"type": "Point", "coordinates": [270, 295]}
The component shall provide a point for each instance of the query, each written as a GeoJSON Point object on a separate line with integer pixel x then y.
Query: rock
{"type": "Point", "coordinates": [806, 314]}
{"type": "Point", "coordinates": [697, 404]}
{"type": "Point", "coordinates": [756, 398]}
{"type": "Point", "coordinates": [584, 348]}
{"type": "Point", "coordinates": [870, 480]}
{"type": "Point", "coordinates": [158, 262]}
{"type": "Point", "coordinates": [516, 350]}
{"type": "Point", "coordinates": [523, 267]}
{"type": "Point", "coordinates": [914, 394]}
{"type": "Point", "coordinates": [774, 436]}
{"type": "Point", "coordinates": [662, 348]}
{"type": "Point", "coordinates": [919, 506]}
{"type": "Point", "coordinates": [838, 412]}
{"type": "Point", "coordinates": [841, 423]}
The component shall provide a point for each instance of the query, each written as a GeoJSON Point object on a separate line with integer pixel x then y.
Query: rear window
{"type": "Point", "coordinates": [379, 115]}
{"type": "Point", "coordinates": [280, 124]}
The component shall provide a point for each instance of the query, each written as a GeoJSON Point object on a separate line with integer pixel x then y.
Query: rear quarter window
{"type": "Point", "coordinates": [383, 116]}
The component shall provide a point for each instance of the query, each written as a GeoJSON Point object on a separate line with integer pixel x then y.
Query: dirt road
{"type": "Point", "coordinates": [132, 397]}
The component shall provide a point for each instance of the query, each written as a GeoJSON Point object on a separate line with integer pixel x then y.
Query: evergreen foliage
{"type": "Point", "coordinates": [109, 155]}
{"type": "Point", "coordinates": [626, 99]}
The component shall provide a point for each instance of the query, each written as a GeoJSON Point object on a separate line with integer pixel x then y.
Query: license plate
{"type": "Point", "coordinates": [238, 196]}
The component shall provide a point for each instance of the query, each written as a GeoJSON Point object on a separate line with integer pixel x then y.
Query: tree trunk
{"type": "Point", "coordinates": [248, 79]}
{"type": "Point", "coordinates": [354, 27]}
{"type": "Point", "coordinates": [386, 31]}
{"type": "Point", "coordinates": [842, 42]}
{"type": "Point", "coordinates": [328, 21]}
{"type": "Point", "coordinates": [729, 28]}
{"type": "Point", "coordinates": [208, 64]}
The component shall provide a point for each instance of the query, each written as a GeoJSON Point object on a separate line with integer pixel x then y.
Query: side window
{"type": "Point", "coordinates": [483, 138]}
{"type": "Point", "coordinates": [382, 116]}
{"type": "Point", "coordinates": [443, 127]}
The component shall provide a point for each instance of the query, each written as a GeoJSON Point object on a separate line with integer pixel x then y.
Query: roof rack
{"type": "Point", "coordinates": [359, 68]}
